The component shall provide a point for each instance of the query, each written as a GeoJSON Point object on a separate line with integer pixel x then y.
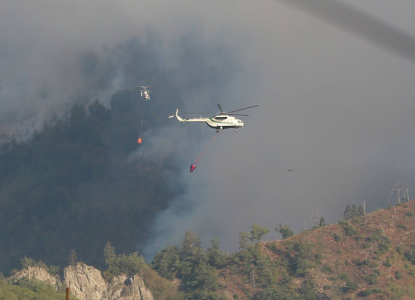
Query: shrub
{"type": "Point", "coordinates": [272, 246]}
{"type": "Point", "coordinates": [351, 284]}
{"type": "Point", "coordinates": [365, 293]}
{"type": "Point", "coordinates": [27, 262]}
{"type": "Point", "coordinates": [372, 278]}
{"type": "Point", "coordinates": [387, 263]}
{"type": "Point", "coordinates": [359, 238]}
{"type": "Point", "coordinates": [326, 269]}
{"type": "Point", "coordinates": [409, 214]}
{"type": "Point", "coordinates": [343, 276]}
{"type": "Point", "coordinates": [383, 247]}
{"type": "Point", "coordinates": [398, 275]}
{"type": "Point", "coordinates": [403, 227]}
{"type": "Point", "coordinates": [348, 228]}
{"type": "Point", "coordinates": [365, 262]}
{"type": "Point", "coordinates": [410, 255]}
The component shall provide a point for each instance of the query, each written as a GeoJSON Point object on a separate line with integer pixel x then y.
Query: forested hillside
{"type": "Point", "coordinates": [363, 257]}
{"type": "Point", "coordinates": [71, 187]}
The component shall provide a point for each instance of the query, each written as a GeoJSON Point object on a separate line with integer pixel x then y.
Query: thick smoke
{"type": "Point", "coordinates": [335, 109]}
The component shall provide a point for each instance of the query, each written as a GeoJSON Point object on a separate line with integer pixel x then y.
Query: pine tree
{"type": "Point", "coordinates": [347, 213]}
{"type": "Point", "coordinates": [167, 262]}
{"type": "Point", "coordinates": [242, 240]}
{"type": "Point", "coordinates": [360, 211]}
{"type": "Point", "coordinates": [285, 231]}
{"type": "Point", "coordinates": [353, 211]}
{"type": "Point", "coordinates": [109, 253]}
{"type": "Point", "coordinates": [322, 222]}
{"type": "Point", "coordinates": [190, 240]}
{"type": "Point", "coordinates": [73, 259]}
{"type": "Point", "coordinates": [216, 257]}
{"type": "Point", "coordinates": [257, 232]}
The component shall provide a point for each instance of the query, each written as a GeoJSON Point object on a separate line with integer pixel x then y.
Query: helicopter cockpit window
{"type": "Point", "coordinates": [221, 118]}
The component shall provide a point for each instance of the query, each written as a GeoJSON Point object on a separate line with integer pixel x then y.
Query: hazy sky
{"type": "Point", "coordinates": [335, 108]}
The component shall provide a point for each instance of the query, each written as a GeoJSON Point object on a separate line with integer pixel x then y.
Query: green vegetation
{"type": "Point", "coordinates": [197, 268]}
{"type": "Point", "coordinates": [128, 264]}
{"type": "Point", "coordinates": [348, 228]}
{"type": "Point", "coordinates": [193, 265]}
{"type": "Point", "coordinates": [29, 289]}
{"type": "Point", "coordinates": [387, 263]}
{"type": "Point", "coordinates": [192, 272]}
{"type": "Point", "coordinates": [352, 212]}
{"type": "Point", "coordinates": [285, 231]}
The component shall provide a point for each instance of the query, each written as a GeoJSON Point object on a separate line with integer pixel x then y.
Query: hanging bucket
{"type": "Point", "coordinates": [139, 140]}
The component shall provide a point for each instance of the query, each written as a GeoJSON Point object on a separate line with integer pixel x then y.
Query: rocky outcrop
{"type": "Point", "coordinates": [123, 288]}
{"type": "Point", "coordinates": [87, 283]}
{"type": "Point", "coordinates": [39, 274]}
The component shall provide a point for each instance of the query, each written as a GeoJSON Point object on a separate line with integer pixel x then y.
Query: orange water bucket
{"type": "Point", "coordinates": [139, 140]}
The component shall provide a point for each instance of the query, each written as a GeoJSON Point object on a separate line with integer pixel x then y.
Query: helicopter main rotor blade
{"type": "Point", "coordinates": [360, 24]}
{"type": "Point", "coordinates": [187, 113]}
{"type": "Point", "coordinates": [237, 115]}
{"type": "Point", "coordinates": [243, 108]}
{"type": "Point", "coordinates": [221, 111]}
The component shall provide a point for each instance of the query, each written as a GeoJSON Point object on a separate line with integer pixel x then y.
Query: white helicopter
{"type": "Point", "coordinates": [145, 93]}
{"type": "Point", "coordinates": [219, 122]}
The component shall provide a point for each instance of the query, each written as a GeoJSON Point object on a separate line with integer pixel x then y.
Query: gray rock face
{"type": "Point", "coordinates": [123, 288]}
{"type": "Point", "coordinates": [39, 274]}
{"type": "Point", "coordinates": [87, 283]}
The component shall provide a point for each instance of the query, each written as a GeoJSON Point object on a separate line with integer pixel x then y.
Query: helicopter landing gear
{"type": "Point", "coordinates": [236, 129]}
{"type": "Point", "coordinates": [217, 130]}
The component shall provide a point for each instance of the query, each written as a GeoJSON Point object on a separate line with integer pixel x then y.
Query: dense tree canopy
{"type": "Point", "coordinates": [72, 187]}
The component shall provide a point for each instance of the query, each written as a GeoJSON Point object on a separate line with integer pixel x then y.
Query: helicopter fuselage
{"type": "Point", "coordinates": [145, 95]}
{"type": "Point", "coordinates": [224, 121]}
{"type": "Point", "coordinates": [217, 122]}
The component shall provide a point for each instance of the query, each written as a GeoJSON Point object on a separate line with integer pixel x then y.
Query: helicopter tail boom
{"type": "Point", "coordinates": [178, 117]}
{"type": "Point", "coordinates": [188, 120]}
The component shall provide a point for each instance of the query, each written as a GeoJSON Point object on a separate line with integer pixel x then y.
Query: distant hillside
{"type": "Point", "coordinates": [368, 257]}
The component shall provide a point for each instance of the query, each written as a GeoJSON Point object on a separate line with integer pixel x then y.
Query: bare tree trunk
{"type": "Point", "coordinates": [253, 275]}
{"type": "Point", "coordinates": [399, 198]}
